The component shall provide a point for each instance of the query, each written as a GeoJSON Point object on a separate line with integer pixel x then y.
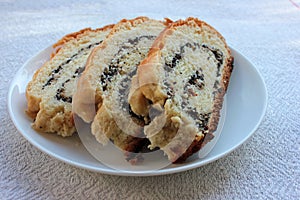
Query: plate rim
{"type": "Point", "coordinates": [111, 171]}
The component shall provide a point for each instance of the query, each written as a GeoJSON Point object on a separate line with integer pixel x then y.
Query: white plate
{"type": "Point", "coordinates": [245, 105]}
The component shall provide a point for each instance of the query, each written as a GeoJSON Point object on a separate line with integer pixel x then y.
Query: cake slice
{"type": "Point", "coordinates": [185, 77]}
{"type": "Point", "coordinates": [106, 82]}
{"type": "Point", "coordinates": [49, 93]}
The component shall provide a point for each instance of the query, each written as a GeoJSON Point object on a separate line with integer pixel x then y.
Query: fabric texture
{"type": "Point", "coordinates": [265, 167]}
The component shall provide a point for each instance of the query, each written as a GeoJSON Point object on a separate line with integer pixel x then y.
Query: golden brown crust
{"type": "Point", "coordinates": [58, 45]}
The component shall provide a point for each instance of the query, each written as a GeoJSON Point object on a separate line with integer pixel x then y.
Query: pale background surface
{"type": "Point", "coordinates": [266, 167]}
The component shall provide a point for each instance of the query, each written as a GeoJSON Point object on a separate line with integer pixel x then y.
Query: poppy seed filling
{"type": "Point", "coordinates": [126, 50]}
{"type": "Point", "coordinates": [118, 68]}
{"type": "Point", "coordinates": [197, 79]}
{"type": "Point", "coordinates": [55, 74]}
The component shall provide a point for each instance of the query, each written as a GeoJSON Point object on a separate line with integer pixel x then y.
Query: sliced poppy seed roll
{"type": "Point", "coordinates": [185, 77]}
{"type": "Point", "coordinates": [50, 92]}
{"type": "Point", "coordinates": [106, 84]}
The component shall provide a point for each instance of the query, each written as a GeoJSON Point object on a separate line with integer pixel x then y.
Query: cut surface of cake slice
{"type": "Point", "coordinates": [185, 77]}
{"type": "Point", "coordinates": [49, 93]}
{"type": "Point", "coordinates": [106, 84]}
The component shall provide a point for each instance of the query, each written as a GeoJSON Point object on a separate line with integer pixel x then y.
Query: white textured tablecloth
{"type": "Point", "coordinates": [266, 167]}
